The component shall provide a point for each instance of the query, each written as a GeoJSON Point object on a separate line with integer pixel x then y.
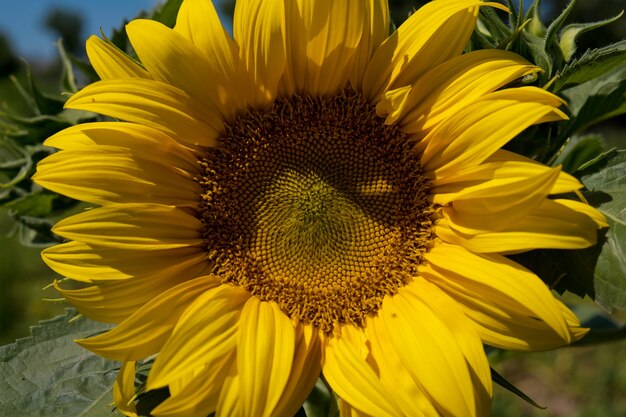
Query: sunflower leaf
{"type": "Point", "coordinates": [34, 204]}
{"type": "Point", "coordinates": [579, 150]}
{"type": "Point", "coordinates": [47, 374]}
{"type": "Point", "coordinates": [607, 184]}
{"type": "Point", "coordinates": [167, 12]}
{"type": "Point", "coordinates": [596, 100]}
{"type": "Point", "coordinates": [592, 64]}
{"type": "Point", "coordinates": [320, 401]}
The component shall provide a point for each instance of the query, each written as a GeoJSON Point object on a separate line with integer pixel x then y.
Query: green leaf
{"type": "Point", "coordinates": [578, 150]}
{"type": "Point", "coordinates": [319, 401]}
{"type": "Point", "coordinates": [596, 100]}
{"type": "Point", "coordinates": [36, 231]}
{"type": "Point", "coordinates": [570, 34]}
{"type": "Point", "coordinates": [592, 64]}
{"type": "Point", "coordinates": [167, 12]}
{"type": "Point", "coordinates": [47, 374]}
{"type": "Point", "coordinates": [37, 204]}
{"type": "Point", "coordinates": [563, 270]}
{"type": "Point", "coordinates": [606, 181]}
{"type": "Point", "coordinates": [14, 162]}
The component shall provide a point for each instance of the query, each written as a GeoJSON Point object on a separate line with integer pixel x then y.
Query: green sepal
{"type": "Point", "coordinates": [504, 383]}
{"type": "Point", "coordinates": [45, 103]}
{"type": "Point", "coordinates": [536, 26]}
{"type": "Point", "coordinates": [15, 162]}
{"type": "Point", "coordinates": [570, 34]}
{"type": "Point", "coordinates": [497, 29]}
{"type": "Point", "coordinates": [551, 41]}
{"type": "Point", "coordinates": [68, 79]}
{"type": "Point", "coordinates": [532, 48]}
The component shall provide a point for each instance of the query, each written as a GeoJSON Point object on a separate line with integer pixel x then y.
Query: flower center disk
{"type": "Point", "coordinates": [317, 205]}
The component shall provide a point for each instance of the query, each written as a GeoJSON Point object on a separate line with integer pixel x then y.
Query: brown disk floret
{"type": "Point", "coordinates": [317, 205]}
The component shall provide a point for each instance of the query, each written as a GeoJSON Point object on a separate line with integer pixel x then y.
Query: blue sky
{"type": "Point", "coordinates": [22, 21]}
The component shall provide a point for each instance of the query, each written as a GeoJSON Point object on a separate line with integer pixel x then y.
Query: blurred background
{"type": "Point", "coordinates": [572, 382]}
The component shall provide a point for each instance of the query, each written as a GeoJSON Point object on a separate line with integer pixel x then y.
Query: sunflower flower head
{"type": "Point", "coordinates": [313, 196]}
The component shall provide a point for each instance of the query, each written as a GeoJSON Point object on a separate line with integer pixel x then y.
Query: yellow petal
{"type": "Point", "coordinates": [586, 209]}
{"type": "Point", "coordinates": [205, 333]}
{"type": "Point", "coordinates": [454, 84]}
{"type": "Point", "coordinates": [124, 390]}
{"type": "Point", "coordinates": [133, 226]}
{"type": "Point", "coordinates": [145, 332]}
{"type": "Point", "coordinates": [140, 140]}
{"type": "Point", "coordinates": [374, 33]}
{"type": "Point", "coordinates": [433, 34]}
{"type": "Point", "coordinates": [430, 352]}
{"type": "Point", "coordinates": [153, 104]}
{"type": "Point", "coordinates": [228, 403]}
{"type": "Point", "coordinates": [171, 58]}
{"type": "Point", "coordinates": [473, 134]}
{"type": "Point", "coordinates": [305, 369]}
{"type": "Point", "coordinates": [104, 175]}
{"type": "Point", "coordinates": [407, 393]}
{"type": "Point", "coordinates": [351, 377]}
{"type": "Point", "coordinates": [498, 203]}
{"type": "Point", "coordinates": [465, 336]}
{"type": "Point", "coordinates": [265, 349]}
{"type": "Point", "coordinates": [112, 301]}
{"type": "Point", "coordinates": [549, 226]}
{"type": "Point", "coordinates": [109, 62]}
{"type": "Point", "coordinates": [199, 22]}
{"type": "Point", "coordinates": [259, 30]}
{"type": "Point", "coordinates": [509, 305]}
{"type": "Point", "coordinates": [89, 263]}
{"type": "Point", "coordinates": [322, 38]}
{"type": "Point", "coordinates": [198, 397]}
{"type": "Point", "coordinates": [501, 165]}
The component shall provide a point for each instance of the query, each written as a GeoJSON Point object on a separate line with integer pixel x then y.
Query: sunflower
{"type": "Point", "coordinates": [313, 196]}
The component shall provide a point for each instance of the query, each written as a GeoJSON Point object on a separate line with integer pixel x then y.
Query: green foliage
{"type": "Point", "coordinates": [594, 85]}
{"type": "Point", "coordinates": [596, 100]}
{"type": "Point", "coordinates": [606, 182]}
{"type": "Point", "coordinates": [591, 65]}
{"type": "Point", "coordinates": [47, 374]}
{"type": "Point", "coordinates": [570, 34]}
